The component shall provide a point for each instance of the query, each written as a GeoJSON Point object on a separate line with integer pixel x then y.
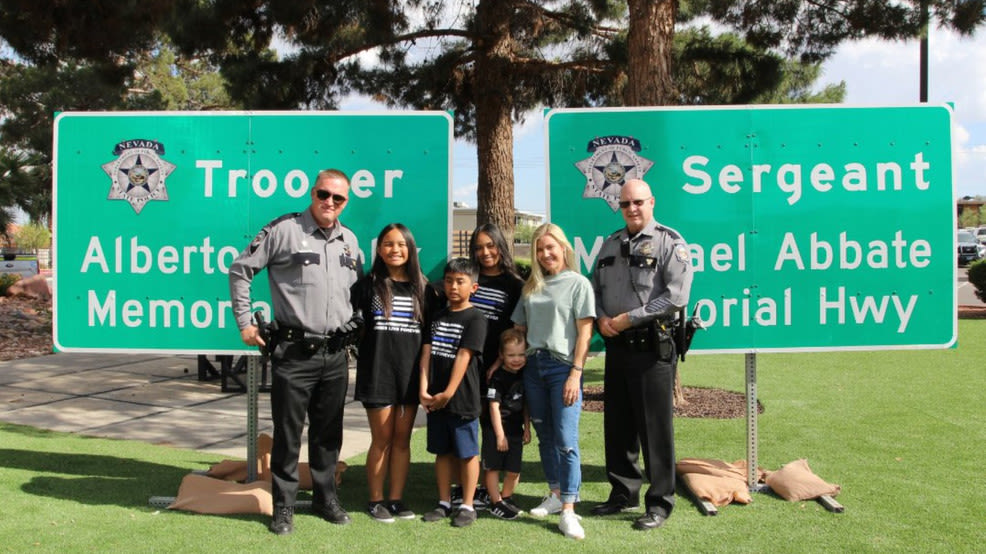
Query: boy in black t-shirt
{"type": "Point", "coordinates": [507, 428]}
{"type": "Point", "coordinates": [450, 360]}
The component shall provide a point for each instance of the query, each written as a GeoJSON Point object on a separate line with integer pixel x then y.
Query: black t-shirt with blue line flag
{"type": "Point", "coordinates": [496, 297]}
{"type": "Point", "coordinates": [451, 331]}
{"type": "Point", "coordinates": [387, 367]}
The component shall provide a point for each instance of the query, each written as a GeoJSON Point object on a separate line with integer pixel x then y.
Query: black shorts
{"type": "Point", "coordinates": [494, 460]}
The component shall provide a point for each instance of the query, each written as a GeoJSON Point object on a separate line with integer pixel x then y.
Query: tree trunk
{"type": "Point", "coordinates": [649, 40]}
{"type": "Point", "coordinates": [494, 124]}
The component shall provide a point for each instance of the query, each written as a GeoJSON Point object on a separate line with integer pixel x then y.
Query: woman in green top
{"type": "Point", "coordinates": [556, 310]}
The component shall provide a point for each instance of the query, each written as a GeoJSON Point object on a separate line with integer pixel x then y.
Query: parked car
{"type": "Point", "coordinates": [981, 235]}
{"type": "Point", "coordinates": [969, 249]}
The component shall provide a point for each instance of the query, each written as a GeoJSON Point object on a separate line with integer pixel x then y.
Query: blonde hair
{"type": "Point", "coordinates": [512, 336]}
{"type": "Point", "coordinates": [535, 282]}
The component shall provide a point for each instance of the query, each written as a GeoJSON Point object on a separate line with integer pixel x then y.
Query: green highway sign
{"type": "Point", "coordinates": [810, 227]}
{"type": "Point", "coordinates": [150, 210]}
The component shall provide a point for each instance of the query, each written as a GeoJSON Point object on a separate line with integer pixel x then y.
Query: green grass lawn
{"type": "Point", "coordinates": [900, 431]}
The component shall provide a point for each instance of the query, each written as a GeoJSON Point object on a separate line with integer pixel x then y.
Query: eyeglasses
{"type": "Point", "coordinates": [638, 202]}
{"type": "Point", "coordinates": [324, 195]}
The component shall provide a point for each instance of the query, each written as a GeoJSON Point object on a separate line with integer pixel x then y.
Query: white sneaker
{"type": "Point", "coordinates": [570, 526]}
{"type": "Point", "coordinates": [550, 505]}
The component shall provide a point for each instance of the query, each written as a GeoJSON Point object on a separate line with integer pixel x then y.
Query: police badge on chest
{"type": "Point", "coordinates": [346, 259]}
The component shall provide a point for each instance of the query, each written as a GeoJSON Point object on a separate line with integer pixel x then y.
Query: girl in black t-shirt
{"type": "Point", "coordinates": [393, 300]}
{"type": "Point", "coordinates": [499, 287]}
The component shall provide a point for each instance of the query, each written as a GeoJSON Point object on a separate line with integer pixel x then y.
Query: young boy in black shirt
{"type": "Point", "coordinates": [450, 362]}
{"type": "Point", "coordinates": [507, 428]}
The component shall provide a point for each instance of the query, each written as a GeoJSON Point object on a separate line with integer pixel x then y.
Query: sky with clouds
{"type": "Point", "coordinates": [877, 73]}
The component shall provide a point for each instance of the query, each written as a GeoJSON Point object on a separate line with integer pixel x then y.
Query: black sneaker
{"type": "Point", "coordinates": [481, 499]}
{"type": "Point", "coordinates": [399, 510]}
{"type": "Point", "coordinates": [503, 510]}
{"type": "Point", "coordinates": [509, 501]}
{"type": "Point", "coordinates": [456, 495]}
{"type": "Point", "coordinates": [464, 518]}
{"type": "Point", "coordinates": [283, 521]}
{"type": "Point", "coordinates": [379, 512]}
{"type": "Point", "coordinates": [439, 513]}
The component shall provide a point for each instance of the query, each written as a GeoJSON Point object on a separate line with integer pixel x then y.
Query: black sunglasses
{"type": "Point", "coordinates": [324, 195]}
{"type": "Point", "coordinates": [624, 204]}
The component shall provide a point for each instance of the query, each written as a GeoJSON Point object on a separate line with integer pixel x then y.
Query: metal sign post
{"type": "Point", "coordinates": [751, 422]}
{"type": "Point", "coordinates": [252, 396]}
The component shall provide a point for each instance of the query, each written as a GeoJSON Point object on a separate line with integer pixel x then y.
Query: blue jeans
{"type": "Point", "coordinates": [557, 425]}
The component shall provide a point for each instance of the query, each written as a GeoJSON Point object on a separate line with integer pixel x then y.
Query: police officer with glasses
{"type": "Point", "coordinates": [312, 260]}
{"type": "Point", "coordinates": [641, 280]}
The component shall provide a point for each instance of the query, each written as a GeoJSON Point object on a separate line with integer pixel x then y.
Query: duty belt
{"type": "Point", "coordinates": [644, 338]}
{"type": "Point", "coordinates": [337, 340]}
{"type": "Point", "coordinates": [312, 342]}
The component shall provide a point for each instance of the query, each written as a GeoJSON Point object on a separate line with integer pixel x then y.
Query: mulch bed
{"type": "Point", "coordinates": [972, 312]}
{"type": "Point", "coordinates": [699, 403]}
{"type": "Point", "coordinates": [25, 327]}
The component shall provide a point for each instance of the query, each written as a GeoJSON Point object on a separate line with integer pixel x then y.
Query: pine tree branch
{"type": "Point", "coordinates": [828, 7]}
{"type": "Point", "coordinates": [569, 21]}
{"type": "Point", "coordinates": [408, 37]}
{"type": "Point", "coordinates": [538, 65]}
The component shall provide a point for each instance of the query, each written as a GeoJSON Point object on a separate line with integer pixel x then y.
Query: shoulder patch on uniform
{"type": "Point", "coordinates": [255, 243]}
{"type": "Point", "coordinates": [675, 235]}
{"type": "Point", "coordinates": [681, 253]}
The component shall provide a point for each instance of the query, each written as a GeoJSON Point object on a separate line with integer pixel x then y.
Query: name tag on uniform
{"type": "Point", "coordinates": [305, 258]}
{"type": "Point", "coordinates": [643, 261]}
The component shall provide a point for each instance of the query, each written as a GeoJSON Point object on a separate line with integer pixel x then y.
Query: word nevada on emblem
{"type": "Point", "coordinates": [138, 173]}
{"type": "Point", "coordinates": [614, 161]}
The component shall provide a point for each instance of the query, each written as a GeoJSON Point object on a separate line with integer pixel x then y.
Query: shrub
{"type": "Point", "coordinates": [523, 266]}
{"type": "Point", "coordinates": [7, 279]}
{"type": "Point", "coordinates": [977, 276]}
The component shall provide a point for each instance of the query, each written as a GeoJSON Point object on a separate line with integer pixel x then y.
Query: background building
{"type": "Point", "coordinates": [464, 221]}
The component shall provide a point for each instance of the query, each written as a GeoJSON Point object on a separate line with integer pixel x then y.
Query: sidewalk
{"type": "Point", "coordinates": [149, 398]}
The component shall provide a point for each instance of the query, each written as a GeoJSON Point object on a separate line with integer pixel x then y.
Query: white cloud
{"type": "Point", "coordinates": [466, 193]}
{"type": "Point", "coordinates": [957, 74]}
{"type": "Point", "coordinates": [881, 72]}
{"type": "Point", "coordinates": [533, 123]}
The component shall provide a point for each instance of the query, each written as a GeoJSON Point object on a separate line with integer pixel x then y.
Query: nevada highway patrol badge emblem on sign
{"type": "Point", "coordinates": [138, 173]}
{"type": "Point", "coordinates": [613, 162]}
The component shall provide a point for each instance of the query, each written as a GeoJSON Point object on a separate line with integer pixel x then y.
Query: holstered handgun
{"type": "Point", "coordinates": [685, 331]}
{"type": "Point", "coordinates": [268, 334]}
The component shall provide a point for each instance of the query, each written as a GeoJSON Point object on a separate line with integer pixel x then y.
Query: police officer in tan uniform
{"type": "Point", "coordinates": [642, 280]}
{"type": "Point", "coordinates": [312, 260]}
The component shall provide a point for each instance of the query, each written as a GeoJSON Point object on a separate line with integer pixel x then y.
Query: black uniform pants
{"type": "Point", "coordinates": [638, 416]}
{"type": "Point", "coordinates": [312, 385]}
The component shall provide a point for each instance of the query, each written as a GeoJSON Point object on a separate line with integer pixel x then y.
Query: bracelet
{"type": "Point", "coordinates": [577, 368]}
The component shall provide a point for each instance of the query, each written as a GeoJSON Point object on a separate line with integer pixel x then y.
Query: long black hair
{"type": "Point", "coordinates": [383, 284]}
{"type": "Point", "coordinates": [496, 235]}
